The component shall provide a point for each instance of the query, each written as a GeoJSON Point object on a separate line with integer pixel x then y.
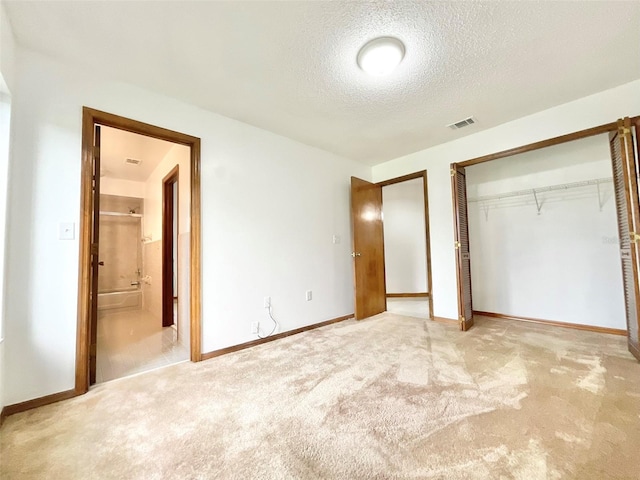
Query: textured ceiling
{"type": "Point", "coordinates": [117, 145]}
{"type": "Point", "coordinates": [290, 67]}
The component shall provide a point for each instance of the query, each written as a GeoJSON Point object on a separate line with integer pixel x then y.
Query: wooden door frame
{"type": "Point", "coordinates": [168, 273]}
{"type": "Point", "coordinates": [90, 118]}
{"type": "Point", "coordinates": [425, 182]}
{"type": "Point", "coordinates": [578, 135]}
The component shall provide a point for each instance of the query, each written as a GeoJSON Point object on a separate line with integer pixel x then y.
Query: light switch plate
{"type": "Point", "coordinates": [66, 231]}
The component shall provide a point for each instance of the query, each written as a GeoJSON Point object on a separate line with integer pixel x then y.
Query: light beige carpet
{"type": "Point", "coordinates": [387, 398]}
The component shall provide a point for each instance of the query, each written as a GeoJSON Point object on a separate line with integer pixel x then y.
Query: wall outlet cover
{"type": "Point", "coordinates": [66, 230]}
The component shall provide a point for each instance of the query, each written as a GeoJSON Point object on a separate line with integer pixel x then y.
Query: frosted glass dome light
{"type": "Point", "coordinates": [381, 56]}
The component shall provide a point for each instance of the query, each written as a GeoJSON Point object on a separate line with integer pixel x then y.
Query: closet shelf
{"type": "Point", "coordinates": [550, 188]}
{"type": "Point", "coordinates": [488, 201]}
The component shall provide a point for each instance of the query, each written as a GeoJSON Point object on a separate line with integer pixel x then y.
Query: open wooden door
{"type": "Point", "coordinates": [169, 242]}
{"type": "Point", "coordinates": [463, 259]}
{"type": "Point", "coordinates": [368, 248]}
{"type": "Point", "coordinates": [625, 172]}
{"type": "Point", "coordinates": [95, 261]}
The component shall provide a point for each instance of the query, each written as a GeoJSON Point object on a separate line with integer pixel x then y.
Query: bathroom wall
{"type": "Point", "coordinates": [122, 187]}
{"type": "Point", "coordinates": [152, 272]}
{"type": "Point", "coordinates": [152, 294]}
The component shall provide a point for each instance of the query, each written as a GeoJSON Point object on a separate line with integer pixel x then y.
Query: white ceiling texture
{"type": "Point", "coordinates": [290, 67]}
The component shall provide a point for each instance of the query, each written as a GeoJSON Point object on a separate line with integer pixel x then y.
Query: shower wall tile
{"type": "Point", "coordinates": [120, 251]}
{"type": "Point", "coordinates": [183, 288]}
{"type": "Point", "coordinates": [152, 294]}
{"type": "Point", "coordinates": [117, 203]}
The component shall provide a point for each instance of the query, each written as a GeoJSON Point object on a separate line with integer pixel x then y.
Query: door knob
{"type": "Point", "coordinates": [101, 264]}
{"type": "Point", "coordinates": [355, 254]}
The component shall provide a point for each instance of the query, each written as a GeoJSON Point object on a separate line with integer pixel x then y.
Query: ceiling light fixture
{"type": "Point", "coordinates": [381, 56]}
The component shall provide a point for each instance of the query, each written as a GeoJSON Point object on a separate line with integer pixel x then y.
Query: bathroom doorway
{"type": "Point", "coordinates": [138, 252]}
{"type": "Point", "coordinates": [140, 294]}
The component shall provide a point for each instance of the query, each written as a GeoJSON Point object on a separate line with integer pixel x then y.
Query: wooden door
{"type": "Point", "coordinates": [169, 216]}
{"type": "Point", "coordinates": [368, 248]}
{"type": "Point", "coordinates": [95, 262]}
{"type": "Point", "coordinates": [463, 258]}
{"type": "Point", "coordinates": [625, 183]}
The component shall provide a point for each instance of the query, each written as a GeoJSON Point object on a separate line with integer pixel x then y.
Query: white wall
{"type": "Point", "coordinates": [405, 243]}
{"type": "Point", "coordinates": [270, 206]}
{"type": "Point", "coordinates": [584, 113]}
{"type": "Point", "coordinates": [5, 131]}
{"type": "Point", "coordinates": [7, 84]}
{"type": "Point", "coordinates": [122, 187]}
{"type": "Point", "coordinates": [178, 155]}
{"type": "Point", "coordinates": [562, 264]}
{"type": "Point", "coordinates": [7, 49]}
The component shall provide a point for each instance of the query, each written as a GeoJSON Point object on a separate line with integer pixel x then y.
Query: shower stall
{"type": "Point", "coordinates": [120, 256]}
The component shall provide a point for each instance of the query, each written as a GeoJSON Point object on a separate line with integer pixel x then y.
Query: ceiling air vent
{"type": "Point", "coordinates": [462, 123]}
{"type": "Point", "coordinates": [133, 161]}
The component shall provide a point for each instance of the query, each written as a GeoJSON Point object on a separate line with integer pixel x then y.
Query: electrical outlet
{"type": "Point", "coordinates": [255, 327]}
{"type": "Point", "coordinates": [267, 302]}
{"type": "Point", "coordinates": [309, 295]}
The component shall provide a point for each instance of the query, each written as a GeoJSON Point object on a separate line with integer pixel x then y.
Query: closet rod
{"type": "Point", "coordinates": [119, 214]}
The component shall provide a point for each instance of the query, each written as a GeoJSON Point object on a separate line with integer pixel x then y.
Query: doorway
{"type": "Point", "coordinates": [128, 283]}
{"type": "Point", "coordinates": [391, 246]}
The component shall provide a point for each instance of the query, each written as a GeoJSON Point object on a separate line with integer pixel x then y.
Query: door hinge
{"type": "Point", "coordinates": [462, 319]}
{"type": "Point", "coordinates": [96, 151]}
{"type": "Point", "coordinates": [457, 245]}
{"type": "Point", "coordinates": [94, 249]}
{"type": "Point", "coordinates": [634, 237]}
{"type": "Point", "coordinates": [453, 172]}
{"type": "Point", "coordinates": [624, 131]}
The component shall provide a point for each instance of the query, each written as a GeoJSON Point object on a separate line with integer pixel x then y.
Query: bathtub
{"type": "Point", "coordinates": [130, 298]}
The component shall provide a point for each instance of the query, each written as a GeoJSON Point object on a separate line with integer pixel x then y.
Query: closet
{"type": "Point", "coordinates": [545, 232]}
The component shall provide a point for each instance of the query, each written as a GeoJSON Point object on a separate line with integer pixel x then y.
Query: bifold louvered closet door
{"type": "Point", "coordinates": [625, 181]}
{"type": "Point", "coordinates": [463, 257]}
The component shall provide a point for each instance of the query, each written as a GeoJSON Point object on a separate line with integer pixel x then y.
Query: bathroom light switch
{"type": "Point", "coordinates": [66, 231]}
